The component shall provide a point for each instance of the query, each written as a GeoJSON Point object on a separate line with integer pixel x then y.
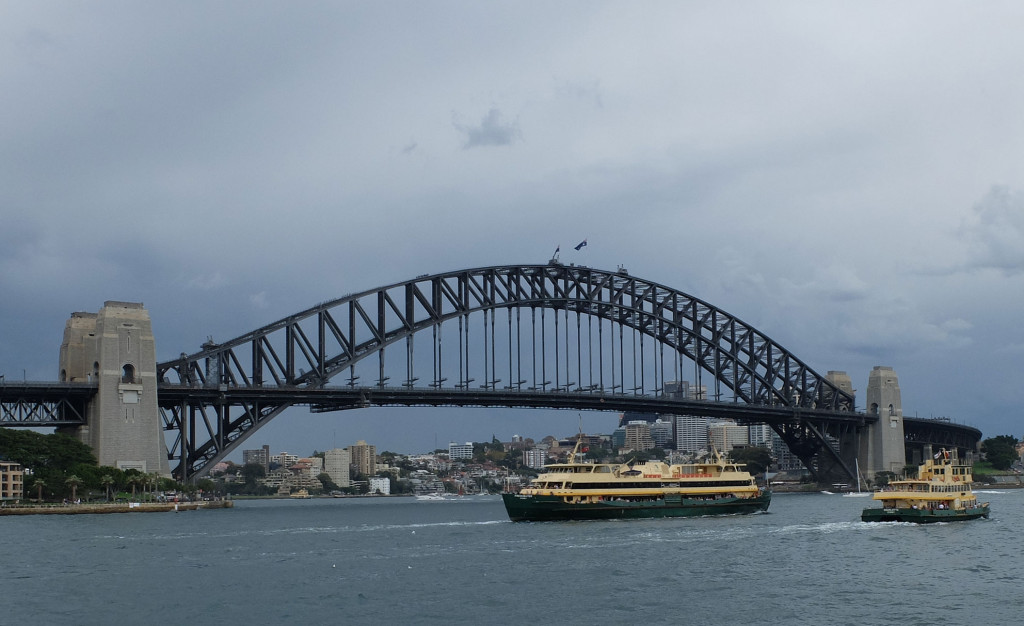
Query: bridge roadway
{"type": "Point", "coordinates": [51, 404]}
{"type": "Point", "coordinates": [325, 399]}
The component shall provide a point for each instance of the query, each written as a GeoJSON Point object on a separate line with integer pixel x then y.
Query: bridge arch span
{"type": "Point", "coordinates": [537, 335]}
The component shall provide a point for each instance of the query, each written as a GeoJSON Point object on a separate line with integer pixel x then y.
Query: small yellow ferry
{"type": "Point", "coordinates": [940, 493]}
{"type": "Point", "coordinates": [580, 490]}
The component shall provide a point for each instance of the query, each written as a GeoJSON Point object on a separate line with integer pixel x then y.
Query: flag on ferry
{"type": "Point", "coordinates": [581, 244]}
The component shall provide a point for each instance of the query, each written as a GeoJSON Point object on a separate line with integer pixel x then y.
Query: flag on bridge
{"type": "Point", "coordinates": [557, 250]}
{"type": "Point", "coordinates": [581, 244]}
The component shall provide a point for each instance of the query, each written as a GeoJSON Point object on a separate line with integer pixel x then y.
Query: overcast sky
{"type": "Point", "coordinates": [847, 177]}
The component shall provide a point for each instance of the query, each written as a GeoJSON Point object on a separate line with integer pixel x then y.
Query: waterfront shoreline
{"type": "Point", "coordinates": [121, 507]}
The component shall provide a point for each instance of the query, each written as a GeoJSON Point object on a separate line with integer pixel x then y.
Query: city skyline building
{"type": "Point", "coordinates": [725, 435]}
{"type": "Point", "coordinates": [364, 457]}
{"type": "Point", "coordinates": [691, 433]}
{"type": "Point", "coordinates": [638, 436]}
{"type": "Point", "coordinates": [460, 450]}
{"type": "Point", "coordinates": [337, 465]}
{"type": "Point", "coordinates": [259, 456]}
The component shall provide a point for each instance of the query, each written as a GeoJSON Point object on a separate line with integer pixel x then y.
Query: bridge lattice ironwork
{"type": "Point", "coordinates": [553, 335]}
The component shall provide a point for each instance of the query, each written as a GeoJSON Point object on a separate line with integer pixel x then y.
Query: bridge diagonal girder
{"type": "Point", "coordinates": [308, 349]}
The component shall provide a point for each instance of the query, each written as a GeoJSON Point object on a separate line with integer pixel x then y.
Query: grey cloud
{"type": "Point", "coordinates": [491, 131]}
{"type": "Point", "coordinates": [995, 231]}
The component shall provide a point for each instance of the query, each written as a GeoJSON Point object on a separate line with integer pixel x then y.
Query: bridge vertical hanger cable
{"type": "Point", "coordinates": [568, 358]}
{"type": "Point", "coordinates": [558, 382]}
{"type": "Point", "coordinates": [487, 374]}
{"type": "Point", "coordinates": [511, 380]}
{"type": "Point", "coordinates": [533, 345]}
{"type": "Point", "coordinates": [494, 352]}
{"type": "Point", "coordinates": [543, 351]}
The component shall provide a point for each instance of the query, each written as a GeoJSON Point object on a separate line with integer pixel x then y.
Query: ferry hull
{"type": "Point", "coordinates": [923, 516]}
{"type": "Point", "coordinates": [522, 508]}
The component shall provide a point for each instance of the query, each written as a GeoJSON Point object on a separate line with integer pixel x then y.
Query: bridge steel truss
{"type": "Point", "coordinates": [43, 404]}
{"type": "Point", "coordinates": [534, 335]}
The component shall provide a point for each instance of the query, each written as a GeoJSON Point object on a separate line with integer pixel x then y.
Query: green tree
{"type": "Point", "coordinates": [40, 452]}
{"type": "Point", "coordinates": [134, 478]}
{"type": "Point", "coordinates": [325, 480]}
{"type": "Point", "coordinates": [73, 482]}
{"type": "Point", "coordinates": [882, 478]}
{"type": "Point", "coordinates": [756, 458]}
{"type": "Point", "coordinates": [1000, 451]}
{"type": "Point", "coordinates": [107, 481]}
{"type": "Point", "coordinates": [252, 473]}
{"type": "Point", "coordinates": [39, 484]}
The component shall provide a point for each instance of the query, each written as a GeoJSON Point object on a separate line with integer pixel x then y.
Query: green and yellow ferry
{"type": "Point", "coordinates": [581, 490]}
{"type": "Point", "coordinates": [940, 493]}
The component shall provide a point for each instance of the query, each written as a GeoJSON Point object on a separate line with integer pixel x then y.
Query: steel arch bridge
{"type": "Point", "coordinates": [554, 335]}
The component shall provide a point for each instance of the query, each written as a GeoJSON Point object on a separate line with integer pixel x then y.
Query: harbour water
{"type": "Point", "coordinates": [809, 560]}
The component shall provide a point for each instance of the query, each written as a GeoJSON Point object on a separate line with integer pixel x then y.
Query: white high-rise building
{"type": "Point", "coordinates": [336, 465]}
{"type": "Point", "coordinates": [760, 435]}
{"type": "Point", "coordinates": [535, 458]}
{"type": "Point", "coordinates": [691, 433]}
{"type": "Point", "coordinates": [460, 451]}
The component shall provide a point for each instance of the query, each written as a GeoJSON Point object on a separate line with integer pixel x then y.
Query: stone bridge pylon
{"type": "Point", "coordinates": [115, 350]}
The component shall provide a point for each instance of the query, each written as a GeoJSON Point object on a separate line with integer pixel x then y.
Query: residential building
{"type": "Point", "coordinates": [534, 458]}
{"type": "Point", "coordinates": [726, 434]}
{"type": "Point", "coordinates": [337, 464]}
{"type": "Point", "coordinates": [259, 457]}
{"type": "Point", "coordinates": [12, 481]}
{"type": "Point", "coordinates": [284, 459]}
{"type": "Point", "coordinates": [661, 433]}
{"type": "Point", "coordinates": [311, 466]}
{"type": "Point", "coordinates": [691, 433]}
{"type": "Point", "coordinates": [381, 485]}
{"type": "Point", "coordinates": [460, 451]}
{"type": "Point", "coordinates": [638, 436]}
{"type": "Point", "coordinates": [364, 458]}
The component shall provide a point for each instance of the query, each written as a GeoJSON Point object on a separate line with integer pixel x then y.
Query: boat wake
{"type": "Point", "coordinates": [823, 528]}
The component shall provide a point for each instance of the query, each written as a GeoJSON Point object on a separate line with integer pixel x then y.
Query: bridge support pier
{"type": "Point", "coordinates": [115, 348]}
{"type": "Point", "coordinates": [883, 447]}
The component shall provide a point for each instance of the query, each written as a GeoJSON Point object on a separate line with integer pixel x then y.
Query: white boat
{"type": "Point", "coordinates": [858, 493]}
{"type": "Point", "coordinates": [427, 497]}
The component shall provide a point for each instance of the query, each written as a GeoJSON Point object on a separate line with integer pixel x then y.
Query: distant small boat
{"type": "Point", "coordinates": [300, 494]}
{"type": "Point", "coordinates": [858, 493]}
{"type": "Point", "coordinates": [435, 497]}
